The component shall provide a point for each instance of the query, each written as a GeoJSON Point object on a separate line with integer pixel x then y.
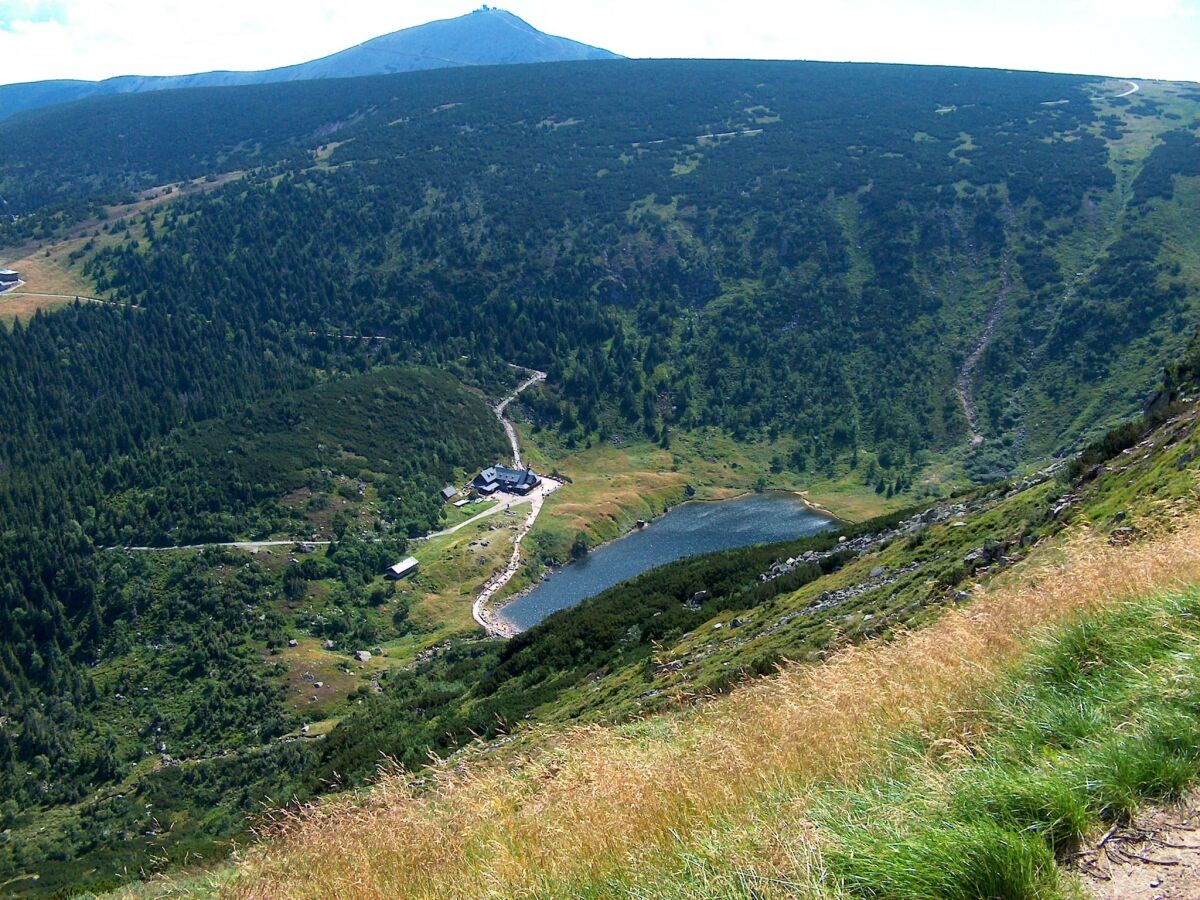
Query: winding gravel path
{"type": "Point", "coordinates": [492, 623]}
{"type": "Point", "coordinates": [535, 377]}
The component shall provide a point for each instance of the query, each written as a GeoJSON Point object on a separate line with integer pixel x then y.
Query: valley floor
{"type": "Point", "coordinates": [1028, 743]}
{"type": "Point", "coordinates": [818, 781]}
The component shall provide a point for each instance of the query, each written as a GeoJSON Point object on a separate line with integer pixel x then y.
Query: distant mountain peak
{"type": "Point", "coordinates": [487, 36]}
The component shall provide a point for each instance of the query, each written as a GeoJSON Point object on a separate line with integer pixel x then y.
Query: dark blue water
{"type": "Point", "coordinates": [687, 530]}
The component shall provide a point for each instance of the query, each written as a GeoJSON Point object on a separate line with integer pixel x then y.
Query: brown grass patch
{"type": "Point", "coordinates": [20, 306]}
{"type": "Point", "coordinates": [596, 800]}
{"type": "Point", "coordinates": [50, 275]}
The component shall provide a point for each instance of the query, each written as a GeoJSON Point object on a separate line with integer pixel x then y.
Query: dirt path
{"type": "Point", "coordinates": [1155, 856]}
{"type": "Point", "coordinates": [535, 377]}
{"type": "Point", "coordinates": [964, 383]}
{"type": "Point", "coordinates": [506, 502]}
{"type": "Point", "coordinates": [1134, 88]}
{"type": "Point", "coordinates": [79, 297]}
{"type": "Point", "coordinates": [232, 545]}
{"type": "Point", "coordinates": [492, 623]}
{"type": "Point", "coordinates": [745, 132]}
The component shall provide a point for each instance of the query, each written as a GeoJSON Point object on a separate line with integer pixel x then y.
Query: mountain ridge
{"type": "Point", "coordinates": [487, 36]}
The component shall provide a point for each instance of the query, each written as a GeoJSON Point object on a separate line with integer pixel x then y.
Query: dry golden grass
{"type": "Point", "coordinates": [21, 306]}
{"type": "Point", "coordinates": [50, 273]}
{"type": "Point", "coordinates": [601, 801]}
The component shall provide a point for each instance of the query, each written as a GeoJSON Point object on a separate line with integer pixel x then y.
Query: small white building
{"type": "Point", "coordinates": [403, 569]}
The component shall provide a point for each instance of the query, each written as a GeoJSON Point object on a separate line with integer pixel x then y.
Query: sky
{"type": "Point", "coordinates": [93, 39]}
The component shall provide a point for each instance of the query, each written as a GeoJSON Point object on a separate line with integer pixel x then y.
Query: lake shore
{"type": "Point", "coordinates": [713, 538]}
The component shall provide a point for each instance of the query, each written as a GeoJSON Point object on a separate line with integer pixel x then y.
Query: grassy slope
{"type": "Point", "coordinates": [614, 487]}
{"type": "Point", "coordinates": [905, 584]}
{"type": "Point", "coordinates": [749, 794]}
{"type": "Point", "coordinates": [778, 788]}
{"type": "Point", "coordinates": [1152, 488]}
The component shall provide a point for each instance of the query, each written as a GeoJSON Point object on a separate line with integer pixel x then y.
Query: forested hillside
{"type": "Point", "coordinates": [643, 662]}
{"type": "Point", "coordinates": [803, 250]}
{"type": "Point", "coordinates": [897, 276]}
{"type": "Point", "coordinates": [117, 666]}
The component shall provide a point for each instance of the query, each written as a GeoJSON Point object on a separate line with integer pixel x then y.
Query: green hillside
{"type": "Point", "coordinates": [641, 646]}
{"type": "Point", "coordinates": [401, 433]}
{"type": "Point", "coordinates": [898, 281]}
{"type": "Point", "coordinates": [1029, 651]}
{"type": "Point", "coordinates": [915, 293]}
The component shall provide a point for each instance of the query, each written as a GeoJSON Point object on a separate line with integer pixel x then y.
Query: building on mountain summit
{"type": "Point", "coordinates": [501, 478]}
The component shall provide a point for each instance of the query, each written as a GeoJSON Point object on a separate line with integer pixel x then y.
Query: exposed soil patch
{"type": "Point", "coordinates": [964, 383]}
{"type": "Point", "coordinates": [1155, 856]}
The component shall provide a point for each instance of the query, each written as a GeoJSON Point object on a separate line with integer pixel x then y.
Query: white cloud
{"type": "Point", "coordinates": [1141, 9]}
{"type": "Point", "coordinates": [13, 12]}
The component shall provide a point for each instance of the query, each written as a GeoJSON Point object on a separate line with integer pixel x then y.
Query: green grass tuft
{"type": "Point", "coordinates": [1103, 718]}
{"type": "Point", "coordinates": [950, 861]}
